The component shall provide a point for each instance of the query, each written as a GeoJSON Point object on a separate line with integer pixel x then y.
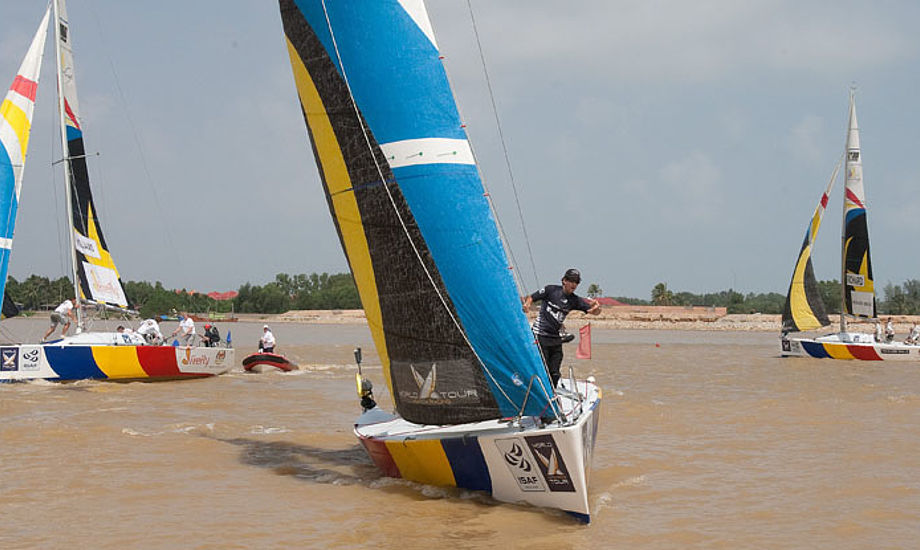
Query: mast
{"type": "Point", "coordinates": [843, 228]}
{"type": "Point", "coordinates": [59, 41]}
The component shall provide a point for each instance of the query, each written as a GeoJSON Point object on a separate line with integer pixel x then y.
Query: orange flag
{"type": "Point", "coordinates": [584, 342]}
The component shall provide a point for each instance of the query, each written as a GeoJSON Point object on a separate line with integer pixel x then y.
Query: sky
{"type": "Point", "coordinates": [647, 141]}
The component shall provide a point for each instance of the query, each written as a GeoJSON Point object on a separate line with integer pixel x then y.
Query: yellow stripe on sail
{"type": "Point", "coordinates": [105, 258]}
{"type": "Point", "coordinates": [423, 461]}
{"type": "Point", "coordinates": [118, 362]}
{"type": "Point", "coordinates": [344, 203]}
{"type": "Point", "coordinates": [869, 285]}
{"type": "Point", "coordinates": [19, 121]}
{"type": "Point", "coordinates": [802, 313]}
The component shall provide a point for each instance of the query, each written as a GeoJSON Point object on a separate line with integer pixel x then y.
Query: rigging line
{"type": "Point", "coordinates": [503, 235]}
{"type": "Point", "coordinates": [137, 141]}
{"type": "Point", "coordinates": [501, 136]}
{"type": "Point", "coordinates": [402, 222]}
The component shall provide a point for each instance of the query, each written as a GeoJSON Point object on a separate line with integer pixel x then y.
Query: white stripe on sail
{"type": "Point", "coordinates": [410, 152]}
{"type": "Point", "coordinates": [418, 13]}
{"type": "Point", "coordinates": [6, 243]}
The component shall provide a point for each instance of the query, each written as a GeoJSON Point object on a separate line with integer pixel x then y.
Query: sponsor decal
{"type": "Point", "coordinates": [86, 246]}
{"type": "Point", "coordinates": [787, 345]}
{"type": "Point", "coordinates": [195, 359]}
{"type": "Point", "coordinates": [855, 279]}
{"type": "Point", "coordinates": [886, 351]}
{"type": "Point", "coordinates": [9, 359]}
{"type": "Point", "coordinates": [30, 358]}
{"type": "Point", "coordinates": [853, 156]}
{"type": "Point", "coordinates": [415, 385]}
{"type": "Point", "coordinates": [520, 463]}
{"type": "Point", "coordinates": [221, 356]}
{"type": "Point", "coordinates": [549, 459]}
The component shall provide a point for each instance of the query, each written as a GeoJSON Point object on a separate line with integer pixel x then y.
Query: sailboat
{"type": "Point", "coordinates": [474, 405]}
{"type": "Point", "coordinates": [804, 309]}
{"type": "Point", "coordinates": [86, 354]}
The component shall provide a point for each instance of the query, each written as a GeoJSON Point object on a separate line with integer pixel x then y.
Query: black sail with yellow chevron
{"type": "Point", "coordinates": [93, 265]}
{"type": "Point", "coordinates": [411, 212]}
{"type": "Point", "coordinates": [804, 309]}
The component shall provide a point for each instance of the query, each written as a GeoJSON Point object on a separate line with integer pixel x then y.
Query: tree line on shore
{"type": "Point", "coordinates": [903, 299]}
{"type": "Point", "coordinates": [286, 292]}
{"type": "Point", "coordinates": [338, 291]}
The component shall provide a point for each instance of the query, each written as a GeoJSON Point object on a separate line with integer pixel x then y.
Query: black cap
{"type": "Point", "coordinates": [572, 275]}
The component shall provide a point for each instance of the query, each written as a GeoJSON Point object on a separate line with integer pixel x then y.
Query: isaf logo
{"type": "Point", "coordinates": [30, 358]}
{"type": "Point", "coordinates": [520, 463]}
{"type": "Point", "coordinates": [9, 359]}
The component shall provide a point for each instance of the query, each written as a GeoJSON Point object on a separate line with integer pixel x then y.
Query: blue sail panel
{"type": "Point", "coordinates": [420, 166]}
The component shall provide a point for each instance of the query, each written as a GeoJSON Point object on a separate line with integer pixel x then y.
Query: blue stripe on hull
{"type": "Point", "coordinates": [468, 464]}
{"type": "Point", "coordinates": [815, 350]}
{"type": "Point", "coordinates": [73, 362]}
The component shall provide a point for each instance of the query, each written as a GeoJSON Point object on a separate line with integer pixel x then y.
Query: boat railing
{"type": "Point", "coordinates": [551, 400]}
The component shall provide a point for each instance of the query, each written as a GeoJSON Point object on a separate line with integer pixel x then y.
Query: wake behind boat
{"type": "Point", "coordinates": [805, 310]}
{"type": "Point", "coordinates": [86, 355]}
{"type": "Point", "coordinates": [475, 406]}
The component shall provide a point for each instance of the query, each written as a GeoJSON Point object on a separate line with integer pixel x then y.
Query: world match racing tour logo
{"type": "Point", "coordinates": [425, 388]}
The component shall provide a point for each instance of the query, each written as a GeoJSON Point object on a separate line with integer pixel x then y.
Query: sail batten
{"type": "Point", "coordinates": [410, 211]}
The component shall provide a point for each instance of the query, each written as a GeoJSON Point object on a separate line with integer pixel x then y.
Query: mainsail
{"type": "Point", "coordinates": [15, 126]}
{"type": "Point", "coordinates": [411, 212]}
{"type": "Point", "coordinates": [93, 265]}
{"type": "Point", "coordinates": [859, 287]}
{"type": "Point", "coordinates": [804, 309]}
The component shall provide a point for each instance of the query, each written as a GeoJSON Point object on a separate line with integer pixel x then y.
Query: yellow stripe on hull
{"type": "Point", "coordinates": [118, 362]}
{"type": "Point", "coordinates": [838, 351]}
{"type": "Point", "coordinates": [422, 461]}
{"type": "Point", "coordinates": [344, 203]}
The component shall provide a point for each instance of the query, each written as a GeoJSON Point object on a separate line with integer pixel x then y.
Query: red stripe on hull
{"type": "Point", "coordinates": [158, 361]}
{"type": "Point", "coordinates": [865, 353]}
{"type": "Point", "coordinates": [24, 87]}
{"type": "Point", "coordinates": [381, 456]}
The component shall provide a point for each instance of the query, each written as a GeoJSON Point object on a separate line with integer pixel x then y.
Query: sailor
{"type": "Point", "coordinates": [889, 331]}
{"type": "Point", "coordinates": [150, 330]}
{"type": "Point", "coordinates": [914, 337]}
{"type": "Point", "coordinates": [558, 301]}
{"type": "Point", "coordinates": [187, 328]}
{"type": "Point", "coordinates": [267, 342]}
{"type": "Point", "coordinates": [64, 313]}
{"type": "Point", "coordinates": [211, 336]}
{"type": "Point", "coordinates": [878, 332]}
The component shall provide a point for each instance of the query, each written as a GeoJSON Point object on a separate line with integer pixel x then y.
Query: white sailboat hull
{"type": "Point", "coordinates": [517, 462]}
{"type": "Point", "coordinates": [109, 356]}
{"type": "Point", "coordinates": [848, 345]}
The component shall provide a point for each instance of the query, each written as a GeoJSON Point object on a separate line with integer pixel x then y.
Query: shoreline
{"type": "Point", "coordinates": [609, 318]}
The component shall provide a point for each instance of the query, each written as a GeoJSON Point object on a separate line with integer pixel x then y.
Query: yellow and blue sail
{"type": "Point", "coordinates": [95, 269]}
{"type": "Point", "coordinates": [411, 211]}
{"type": "Point", "coordinates": [15, 127]}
